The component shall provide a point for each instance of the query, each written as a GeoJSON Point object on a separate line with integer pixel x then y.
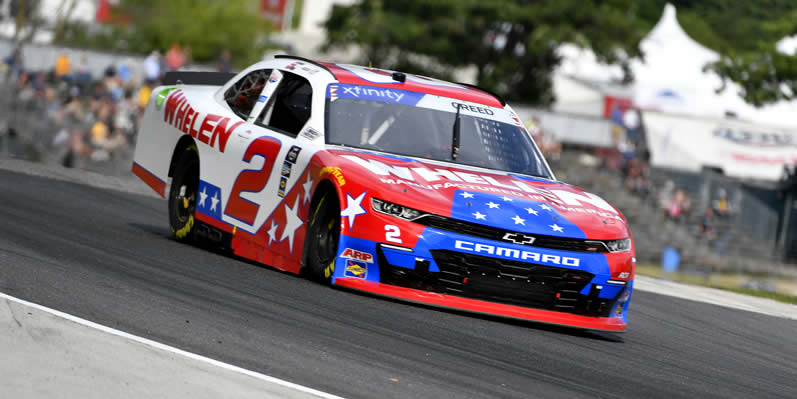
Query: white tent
{"type": "Point", "coordinates": [685, 114]}
{"type": "Point", "coordinates": [671, 78]}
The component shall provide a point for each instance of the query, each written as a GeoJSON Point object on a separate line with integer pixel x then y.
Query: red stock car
{"type": "Point", "coordinates": [390, 183]}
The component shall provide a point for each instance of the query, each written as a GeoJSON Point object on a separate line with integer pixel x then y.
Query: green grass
{"type": "Point", "coordinates": [723, 281]}
{"type": "Point", "coordinates": [777, 296]}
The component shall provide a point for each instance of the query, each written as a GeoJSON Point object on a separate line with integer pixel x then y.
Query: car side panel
{"type": "Point", "coordinates": [255, 183]}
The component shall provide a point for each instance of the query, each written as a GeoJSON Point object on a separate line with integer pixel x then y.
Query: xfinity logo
{"type": "Point", "coordinates": [356, 91]}
{"type": "Point", "coordinates": [519, 238]}
{"type": "Point", "coordinates": [516, 254]}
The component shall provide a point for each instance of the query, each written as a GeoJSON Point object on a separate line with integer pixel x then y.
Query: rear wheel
{"type": "Point", "coordinates": [183, 194]}
{"type": "Point", "coordinates": [323, 235]}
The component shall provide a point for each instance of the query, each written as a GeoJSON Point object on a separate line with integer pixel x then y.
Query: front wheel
{"type": "Point", "coordinates": [183, 194]}
{"type": "Point", "coordinates": [323, 235]}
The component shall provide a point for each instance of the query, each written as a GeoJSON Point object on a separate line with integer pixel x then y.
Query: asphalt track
{"type": "Point", "coordinates": [106, 256]}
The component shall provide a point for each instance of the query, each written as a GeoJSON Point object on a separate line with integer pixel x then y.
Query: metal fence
{"type": "Point", "coordinates": [42, 57]}
{"type": "Point", "coordinates": [570, 128]}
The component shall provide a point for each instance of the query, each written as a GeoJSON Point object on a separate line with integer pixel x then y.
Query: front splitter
{"type": "Point", "coordinates": [484, 307]}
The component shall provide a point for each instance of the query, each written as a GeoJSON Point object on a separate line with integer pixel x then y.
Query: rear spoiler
{"type": "Point", "coordinates": [197, 78]}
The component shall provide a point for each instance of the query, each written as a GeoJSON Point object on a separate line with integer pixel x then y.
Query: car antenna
{"type": "Point", "coordinates": [455, 138]}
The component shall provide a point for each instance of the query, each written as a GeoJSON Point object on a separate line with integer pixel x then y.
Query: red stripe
{"type": "Point", "coordinates": [491, 308]}
{"type": "Point", "coordinates": [460, 93]}
{"type": "Point", "coordinates": [153, 181]}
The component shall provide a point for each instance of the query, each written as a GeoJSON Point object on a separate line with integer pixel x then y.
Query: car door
{"type": "Point", "coordinates": [270, 161]}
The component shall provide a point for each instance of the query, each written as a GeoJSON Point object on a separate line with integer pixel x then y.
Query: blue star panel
{"type": "Point", "coordinates": [512, 213]}
{"type": "Point", "coordinates": [209, 200]}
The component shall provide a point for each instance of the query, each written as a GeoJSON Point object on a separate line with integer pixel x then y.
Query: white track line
{"type": "Point", "coordinates": [172, 349]}
{"type": "Point", "coordinates": [715, 296]}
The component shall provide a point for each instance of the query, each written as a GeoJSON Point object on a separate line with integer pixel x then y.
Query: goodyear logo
{"type": "Point", "coordinates": [335, 172]}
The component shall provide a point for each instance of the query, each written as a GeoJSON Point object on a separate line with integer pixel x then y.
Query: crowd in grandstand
{"type": "Point", "coordinates": [631, 158]}
{"type": "Point", "coordinates": [80, 117]}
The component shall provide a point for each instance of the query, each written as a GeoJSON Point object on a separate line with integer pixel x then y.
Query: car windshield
{"type": "Point", "coordinates": [413, 124]}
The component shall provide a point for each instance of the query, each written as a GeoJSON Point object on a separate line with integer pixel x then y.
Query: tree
{"type": "Point", "coordinates": [26, 19]}
{"type": "Point", "coordinates": [511, 44]}
{"type": "Point", "coordinates": [765, 74]}
{"type": "Point", "coordinates": [207, 27]}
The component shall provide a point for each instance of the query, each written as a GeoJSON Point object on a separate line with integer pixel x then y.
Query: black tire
{"type": "Point", "coordinates": [323, 236]}
{"type": "Point", "coordinates": [183, 194]}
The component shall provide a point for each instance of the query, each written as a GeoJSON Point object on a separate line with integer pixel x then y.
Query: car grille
{"type": "Point", "coordinates": [503, 281]}
{"type": "Point", "coordinates": [491, 233]}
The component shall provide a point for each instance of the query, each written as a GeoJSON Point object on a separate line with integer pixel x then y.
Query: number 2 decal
{"type": "Point", "coordinates": [392, 234]}
{"type": "Point", "coordinates": [251, 180]}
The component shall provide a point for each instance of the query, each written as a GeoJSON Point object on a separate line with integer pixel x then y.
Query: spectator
{"type": "Point", "coordinates": [631, 122]}
{"type": "Point", "coordinates": [63, 67]}
{"type": "Point", "coordinates": [124, 71]}
{"type": "Point", "coordinates": [666, 193]}
{"type": "Point", "coordinates": [152, 67]}
{"type": "Point", "coordinates": [143, 95]}
{"type": "Point", "coordinates": [224, 63]}
{"type": "Point", "coordinates": [636, 180]}
{"type": "Point", "coordinates": [679, 206]}
{"type": "Point", "coordinates": [83, 73]}
{"type": "Point", "coordinates": [721, 205]}
{"type": "Point", "coordinates": [175, 57]}
{"type": "Point", "coordinates": [15, 63]}
{"type": "Point", "coordinates": [706, 226]}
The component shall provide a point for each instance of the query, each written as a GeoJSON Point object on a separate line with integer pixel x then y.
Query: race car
{"type": "Point", "coordinates": [385, 182]}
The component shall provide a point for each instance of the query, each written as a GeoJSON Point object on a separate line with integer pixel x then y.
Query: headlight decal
{"type": "Point", "coordinates": [395, 210]}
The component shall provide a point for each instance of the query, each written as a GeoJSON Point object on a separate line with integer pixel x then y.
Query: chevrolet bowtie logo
{"type": "Point", "coordinates": [519, 238]}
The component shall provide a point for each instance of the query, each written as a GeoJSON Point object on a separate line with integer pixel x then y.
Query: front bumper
{"type": "Point", "coordinates": [483, 307]}
{"type": "Point", "coordinates": [439, 270]}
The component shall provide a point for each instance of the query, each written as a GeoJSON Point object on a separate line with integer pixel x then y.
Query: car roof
{"type": "Point", "coordinates": [367, 76]}
{"type": "Point", "coordinates": [359, 75]}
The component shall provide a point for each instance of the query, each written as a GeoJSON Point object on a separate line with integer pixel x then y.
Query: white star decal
{"type": "Point", "coordinates": [531, 211]}
{"type": "Point", "coordinates": [466, 195]}
{"type": "Point", "coordinates": [214, 201]}
{"type": "Point", "coordinates": [353, 208]}
{"type": "Point", "coordinates": [519, 220]}
{"type": "Point", "coordinates": [505, 198]}
{"type": "Point", "coordinates": [202, 196]}
{"type": "Point", "coordinates": [307, 186]}
{"type": "Point", "coordinates": [292, 223]}
{"type": "Point", "coordinates": [546, 207]}
{"type": "Point", "coordinates": [492, 205]}
{"type": "Point", "coordinates": [272, 233]}
{"type": "Point", "coordinates": [556, 227]}
{"type": "Point", "coordinates": [480, 216]}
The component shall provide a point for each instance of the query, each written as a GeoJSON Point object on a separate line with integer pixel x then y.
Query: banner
{"type": "Point", "coordinates": [279, 12]}
{"type": "Point", "coordinates": [740, 149]}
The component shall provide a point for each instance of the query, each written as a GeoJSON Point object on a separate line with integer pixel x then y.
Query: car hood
{"type": "Point", "coordinates": [497, 199]}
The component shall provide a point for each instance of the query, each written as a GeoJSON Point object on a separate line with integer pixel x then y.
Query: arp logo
{"type": "Point", "coordinates": [356, 255]}
{"type": "Point", "coordinates": [356, 269]}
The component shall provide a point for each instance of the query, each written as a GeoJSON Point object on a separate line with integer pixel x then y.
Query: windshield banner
{"type": "Point", "coordinates": [373, 93]}
{"type": "Point", "coordinates": [390, 95]}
